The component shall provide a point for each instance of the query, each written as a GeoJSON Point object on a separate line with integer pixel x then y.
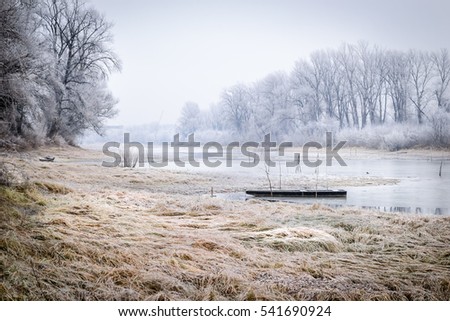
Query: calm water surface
{"type": "Point", "coordinates": [420, 189]}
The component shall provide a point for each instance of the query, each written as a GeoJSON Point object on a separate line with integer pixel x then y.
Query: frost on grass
{"type": "Point", "coordinates": [296, 239]}
{"type": "Point", "coordinates": [161, 240]}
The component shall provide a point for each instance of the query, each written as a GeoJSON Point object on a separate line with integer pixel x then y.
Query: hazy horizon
{"type": "Point", "coordinates": [178, 51]}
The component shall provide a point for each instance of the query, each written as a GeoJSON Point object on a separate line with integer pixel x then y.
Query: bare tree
{"type": "Point", "coordinates": [306, 91]}
{"type": "Point", "coordinates": [348, 60]}
{"type": "Point", "coordinates": [397, 76]}
{"type": "Point", "coordinates": [340, 93]}
{"type": "Point", "coordinates": [369, 80]}
{"type": "Point", "coordinates": [441, 62]}
{"type": "Point", "coordinates": [271, 105]}
{"type": "Point", "coordinates": [324, 64]}
{"type": "Point", "coordinates": [355, 86]}
{"type": "Point", "coordinates": [237, 107]}
{"type": "Point", "coordinates": [79, 39]}
{"type": "Point", "coordinates": [189, 120]}
{"type": "Point", "coordinates": [215, 118]}
{"type": "Point", "coordinates": [420, 74]}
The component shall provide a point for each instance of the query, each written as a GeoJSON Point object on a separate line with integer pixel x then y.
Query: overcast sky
{"type": "Point", "coordinates": [175, 51]}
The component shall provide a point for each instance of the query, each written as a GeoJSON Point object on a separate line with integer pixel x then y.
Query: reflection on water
{"type": "Point", "coordinates": [336, 203]}
{"type": "Point", "coordinates": [416, 210]}
{"type": "Point", "coordinates": [420, 189]}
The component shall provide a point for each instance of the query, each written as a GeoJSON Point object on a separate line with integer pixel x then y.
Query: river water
{"type": "Point", "coordinates": [418, 187]}
{"type": "Point", "coordinates": [419, 190]}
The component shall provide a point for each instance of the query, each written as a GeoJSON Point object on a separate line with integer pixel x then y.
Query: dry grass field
{"type": "Point", "coordinates": [80, 231]}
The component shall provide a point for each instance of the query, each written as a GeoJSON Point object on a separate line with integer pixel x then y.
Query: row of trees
{"type": "Point", "coordinates": [356, 86]}
{"type": "Point", "coordinates": [55, 57]}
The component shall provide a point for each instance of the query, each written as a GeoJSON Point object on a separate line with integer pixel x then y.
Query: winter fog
{"type": "Point", "coordinates": [374, 72]}
{"type": "Point", "coordinates": [195, 150]}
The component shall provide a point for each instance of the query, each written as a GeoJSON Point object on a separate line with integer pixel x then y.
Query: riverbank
{"type": "Point", "coordinates": [80, 231]}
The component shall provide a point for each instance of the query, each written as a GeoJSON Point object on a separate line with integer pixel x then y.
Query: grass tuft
{"type": "Point", "coordinates": [53, 188]}
{"type": "Point", "coordinates": [107, 239]}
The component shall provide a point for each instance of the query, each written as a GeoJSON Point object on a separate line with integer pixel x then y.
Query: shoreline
{"type": "Point", "coordinates": [80, 231]}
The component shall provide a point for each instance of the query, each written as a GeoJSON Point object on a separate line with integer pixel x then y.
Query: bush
{"type": "Point", "coordinates": [390, 137]}
{"type": "Point", "coordinates": [440, 124]}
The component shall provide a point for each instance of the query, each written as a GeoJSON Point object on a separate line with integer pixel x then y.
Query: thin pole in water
{"type": "Point", "coordinates": [279, 165]}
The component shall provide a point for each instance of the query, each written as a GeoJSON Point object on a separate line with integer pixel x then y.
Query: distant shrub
{"type": "Point", "coordinates": [391, 137]}
{"type": "Point", "coordinates": [440, 124]}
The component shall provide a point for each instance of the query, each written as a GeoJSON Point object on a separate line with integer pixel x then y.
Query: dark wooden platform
{"type": "Point", "coordinates": [298, 193]}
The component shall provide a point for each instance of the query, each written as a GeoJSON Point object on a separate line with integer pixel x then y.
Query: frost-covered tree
{"type": "Point", "coordinates": [305, 83]}
{"type": "Point", "coordinates": [441, 61]}
{"type": "Point", "coordinates": [359, 86]}
{"type": "Point", "coordinates": [190, 119]}
{"type": "Point", "coordinates": [79, 40]}
{"type": "Point", "coordinates": [55, 57]}
{"type": "Point", "coordinates": [420, 75]}
{"type": "Point", "coordinates": [17, 67]}
{"type": "Point", "coordinates": [397, 77]}
{"type": "Point", "coordinates": [369, 79]}
{"type": "Point", "coordinates": [236, 104]}
{"type": "Point", "coordinates": [271, 105]}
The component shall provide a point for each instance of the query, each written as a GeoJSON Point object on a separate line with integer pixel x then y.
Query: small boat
{"type": "Point", "coordinates": [298, 193]}
{"type": "Point", "coordinates": [47, 159]}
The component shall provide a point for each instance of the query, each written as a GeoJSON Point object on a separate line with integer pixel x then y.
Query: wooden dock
{"type": "Point", "coordinates": [298, 193]}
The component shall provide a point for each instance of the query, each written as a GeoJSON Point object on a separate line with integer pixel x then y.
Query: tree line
{"type": "Point", "coordinates": [55, 57]}
{"type": "Point", "coordinates": [355, 86]}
